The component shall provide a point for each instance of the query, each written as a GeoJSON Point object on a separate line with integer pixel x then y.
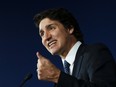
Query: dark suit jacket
{"type": "Point", "coordinates": [94, 66]}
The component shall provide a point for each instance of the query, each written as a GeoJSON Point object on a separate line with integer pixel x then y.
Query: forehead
{"type": "Point", "coordinates": [45, 22]}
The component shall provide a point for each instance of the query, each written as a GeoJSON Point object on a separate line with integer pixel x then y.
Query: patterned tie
{"type": "Point", "coordinates": [66, 67]}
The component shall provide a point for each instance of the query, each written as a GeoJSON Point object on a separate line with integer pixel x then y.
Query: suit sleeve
{"type": "Point", "coordinates": [66, 80]}
{"type": "Point", "coordinates": [101, 70]}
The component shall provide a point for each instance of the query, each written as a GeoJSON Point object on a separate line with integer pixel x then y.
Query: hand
{"type": "Point", "coordinates": [47, 70]}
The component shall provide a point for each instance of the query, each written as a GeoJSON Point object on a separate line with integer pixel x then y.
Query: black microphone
{"type": "Point", "coordinates": [27, 77]}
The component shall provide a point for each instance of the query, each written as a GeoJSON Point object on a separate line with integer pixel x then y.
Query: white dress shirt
{"type": "Point", "coordinates": [71, 56]}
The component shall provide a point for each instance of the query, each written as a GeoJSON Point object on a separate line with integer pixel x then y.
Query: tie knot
{"type": "Point", "coordinates": [66, 67]}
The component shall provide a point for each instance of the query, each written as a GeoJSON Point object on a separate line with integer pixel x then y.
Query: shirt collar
{"type": "Point", "coordinates": [72, 53]}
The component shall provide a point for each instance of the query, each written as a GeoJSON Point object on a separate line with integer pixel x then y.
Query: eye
{"type": "Point", "coordinates": [52, 27]}
{"type": "Point", "coordinates": [41, 33]}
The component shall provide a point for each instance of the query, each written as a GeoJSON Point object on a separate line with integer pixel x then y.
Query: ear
{"type": "Point", "coordinates": [71, 30]}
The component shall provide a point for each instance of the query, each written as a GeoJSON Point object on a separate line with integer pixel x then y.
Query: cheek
{"type": "Point", "coordinates": [43, 42]}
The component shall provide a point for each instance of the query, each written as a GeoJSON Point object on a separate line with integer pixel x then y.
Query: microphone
{"type": "Point", "coordinates": [27, 77]}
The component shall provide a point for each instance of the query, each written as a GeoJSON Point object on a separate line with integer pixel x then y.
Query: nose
{"type": "Point", "coordinates": [47, 36]}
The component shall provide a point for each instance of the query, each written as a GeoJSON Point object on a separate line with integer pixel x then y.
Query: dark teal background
{"type": "Point", "coordinates": [19, 39]}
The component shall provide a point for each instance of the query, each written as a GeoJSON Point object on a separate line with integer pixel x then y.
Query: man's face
{"type": "Point", "coordinates": [54, 36]}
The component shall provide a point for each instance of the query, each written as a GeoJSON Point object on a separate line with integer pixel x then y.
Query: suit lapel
{"type": "Point", "coordinates": [78, 60]}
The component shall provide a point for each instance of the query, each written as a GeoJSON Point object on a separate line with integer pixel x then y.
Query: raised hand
{"type": "Point", "coordinates": [47, 70]}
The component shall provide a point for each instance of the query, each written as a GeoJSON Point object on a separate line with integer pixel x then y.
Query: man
{"type": "Point", "coordinates": [89, 65]}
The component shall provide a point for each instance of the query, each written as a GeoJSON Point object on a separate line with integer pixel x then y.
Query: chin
{"type": "Point", "coordinates": [54, 52]}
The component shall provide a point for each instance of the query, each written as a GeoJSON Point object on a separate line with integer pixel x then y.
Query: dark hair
{"type": "Point", "coordinates": [63, 16]}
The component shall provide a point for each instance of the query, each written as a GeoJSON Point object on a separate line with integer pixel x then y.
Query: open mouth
{"type": "Point", "coordinates": [52, 43]}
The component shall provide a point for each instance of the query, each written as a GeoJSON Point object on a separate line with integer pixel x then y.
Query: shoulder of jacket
{"type": "Point", "coordinates": [96, 47]}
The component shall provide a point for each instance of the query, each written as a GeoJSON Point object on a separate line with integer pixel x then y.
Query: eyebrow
{"type": "Point", "coordinates": [47, 26]}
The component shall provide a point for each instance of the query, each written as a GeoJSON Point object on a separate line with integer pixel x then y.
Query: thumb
{"type": "Point", "coordinates": [39, 56]}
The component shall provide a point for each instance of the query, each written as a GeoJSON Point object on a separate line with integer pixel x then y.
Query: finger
{"type": "Point", "coordinates": [41, 59]}
{"type": "Point", "coordinates": [38, 65]}
{"type": "Point", "coordinates": [39, 55]}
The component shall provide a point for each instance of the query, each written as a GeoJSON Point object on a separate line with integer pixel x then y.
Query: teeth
{"type": "Point", "coordinates": [51, 43]}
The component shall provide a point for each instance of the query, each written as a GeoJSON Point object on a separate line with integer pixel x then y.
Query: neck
{"type": "Point", "coordinates": [68, 48]}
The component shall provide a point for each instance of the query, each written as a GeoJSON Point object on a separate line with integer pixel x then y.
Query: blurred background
{"type": "Point", "coordinates": [19, 38]}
